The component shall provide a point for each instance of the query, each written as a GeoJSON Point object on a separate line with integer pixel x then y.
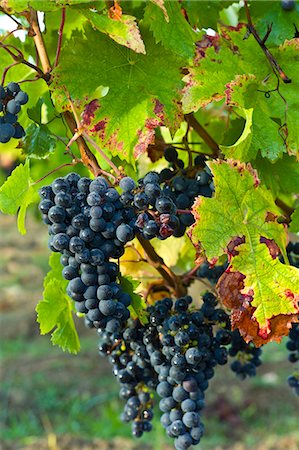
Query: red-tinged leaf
{"type": "Point", "coordinates": [241, 221]}
{"type": "Point", "coordinates": [143, 90]}
{"type": "Point", "coordinates": [229, 288]}
{"type": "Point", "coordinates": [122, 28]}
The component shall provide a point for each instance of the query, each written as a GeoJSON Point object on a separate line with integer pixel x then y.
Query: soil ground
{"type": "Point", "coordinates": [55, 401]}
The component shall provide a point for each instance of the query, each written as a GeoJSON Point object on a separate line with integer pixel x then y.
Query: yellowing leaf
{"type": "Point", "coordinates": [241, 221]}
{"type": "Point", "coordinates": [241, 149]}
{"type": "Point", "coordinates": [123, 31]}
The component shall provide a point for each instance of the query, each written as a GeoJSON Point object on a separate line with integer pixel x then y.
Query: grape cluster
{"type": "Point", "coordinates": [11, 99]}
{"type": "Point", "coordinates": [89, 225]}
{"type": "Point", "coordinates": [131, 366]}
{"type": "Point", "coordinates": [185, 362]}
{"type": "Point", "coordinates": [293, 343]}
{"type": "Point", "coordinates": [247, 356]}
{"type": "Point", "coordinates": [212, 274]}
{"type": "Point", "coordinates": [293, 253]}
{"type": "Point", "coordinates": [288, 5]}
{"type": "Point", "coordinates": [174, 354]}
{"type": "Point", "coordinates": [293, 348]}
{"type": "Point", "coordinates": [162, 201]}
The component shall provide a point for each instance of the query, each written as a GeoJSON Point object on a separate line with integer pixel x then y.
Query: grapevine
{"type": "Point", "coordinates": [179, 143]}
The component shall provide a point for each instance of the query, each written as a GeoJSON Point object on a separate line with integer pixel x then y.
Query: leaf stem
{"type": "Point", "coordinates": [60, 34]}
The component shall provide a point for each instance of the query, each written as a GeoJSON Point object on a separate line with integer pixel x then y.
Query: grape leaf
{"type": "Point", "coordinates": [17, 193]}
{"type": "Point", "coordinates": [241, 149]}
{"type": "Point", "coordinates": [38, 142]}
{"type": "Point", "coordinates": [282, 21]}
{"type": "Point", "coordinates": [49, 5]}
{"type": "Point", "coordinates": [241, 221]}
{"type": "Point", "coordinates": [143, 89]}
{"type": "Point", "coordinates": [124, 31]}
{"type": "Point", "coordinates": [35, 113]}
{"type": "Point", "coordinates": [138, 305]}
{"type": "Point", "coordinates": [204, 14]}
{"type": "Point", "coordinates": [294, 225]}
{"type": "Point", "coordinates": [55, 310]}
{"type": "Point", "coordinates": [161, 5]}
{"type": "Point", "coordinates": [247, 82]}
{"type": "Point", "coordinates": [176, 35]}
{"type": "Point", "coordinates": [274, 174]}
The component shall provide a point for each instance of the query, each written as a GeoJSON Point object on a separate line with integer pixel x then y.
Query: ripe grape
{"type": "Point", "coordinates": [11, 99]}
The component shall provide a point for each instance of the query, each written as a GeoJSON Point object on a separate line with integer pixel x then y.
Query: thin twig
{"type": "Point", "coordinates": [55, 170]}
{"type": "Point", "coordinates": [104, 156]}
{"type": "Point", "coordinates": [8, 34]}
{"type": "Point", "coordinates": [274, 64]}
{"type": "Point", "coordinates": [6, 70]}
{"type": "Point", "coordinates": [203, 134]}
{"type": "Point", "coordinates": [11, 17]}
{"type": "Point", "coordinates": [20, 59]}
{"type": "Point", "coordinates": [88, 158]}
{"type": "Point", "coordinates": [60, 34]}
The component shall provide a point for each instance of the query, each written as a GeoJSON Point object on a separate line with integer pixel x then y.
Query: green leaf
{"type": "Point", "coordinates": [204, 14]}
{"type": "Point", "coordinates": [282, 177]}
{"type": "Point", "coordinates": [161, 5]}
{"type": "Point", "coordinates": [294, 226]}
{"type": "Point", "coordinates": [17, 193]}
{"type": "Point", "coordinates": [38, 142]}
{"type": "Point", "coordinates": [237, 221]}
{"type": "Point", "coordinates": [124, 31]}
{"type": "Point", "coordinates": [49, 5]}
{"type": "Point", "coordinates": [247, 82]}
{"type": "Point", "coordinates": [241, 149]}
{"type": "Point", "coordinates": [35, 113]}
{"type": "Point", "coordinates": [55, 310]}
{"type": "Point", "coordinates": [176, 34]}
{"type": "Point", "coordinates": [138, 305]}
{"type": "Point", "coordinates": [143, 89]}
{"type": "Point", "coordinates": [282, 21]}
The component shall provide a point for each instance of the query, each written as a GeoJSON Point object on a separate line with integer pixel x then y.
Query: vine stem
{"type": "Point", "coordinates": [158, 263]}
{"type": "Point", "coordinates": [274, 64]}
{"type": "Point", "coordinates": [207, 138]}
{"type": "Point", "coordinates": [60, 34]}
{"type": "Point", "coordinates": [39, 42]}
